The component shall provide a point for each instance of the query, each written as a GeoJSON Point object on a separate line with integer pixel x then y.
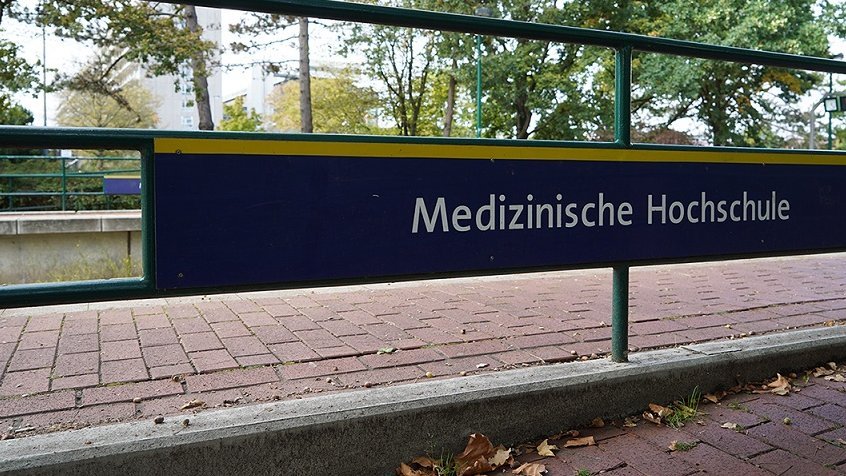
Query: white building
{"type": "Point", "coordinates": [257, 94]}
{"type": "Point", "coordinates": [177, 108]}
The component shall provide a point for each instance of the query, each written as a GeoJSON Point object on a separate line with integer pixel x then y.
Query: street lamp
{"type": "Point", "coordinates": [830, 93]}
{"type": "Point", "coordinates": [481, 11]}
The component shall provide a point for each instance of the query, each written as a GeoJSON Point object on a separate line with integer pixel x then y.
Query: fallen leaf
{"type": "Point", "coordinates": [841, 442]}
{"type": "Point", "coordinates": [715, 397]}
{"type": "Point", "coordinates": [192, 404]}
{"type": "Point", "coordinates": [832, 365]}
{"type": "Point", "coordinates": [836, 378]}
{"type": "Point", "coordinates": [730, 426]}
{"type": "Point", "coordinates": [650, 417]}
{"type": "Point", "coordinates": [474, 459]}
{"type": "Point", "coordinates": [545, 449]}
{"type": "Point", "coordinates": [822, 371]}
{"type": "Point", "coordinates": [385, 350]}
{"type": "Point", "coordinates": [659, 410]}
{"type": "Point", "coordinates": [629, 422]}
{"type": "Point", "coordinates": [501, 456]}
{"type": "Point", "coordinates": [597, 423]}
{"type": "Point", "coordinates": [578, 442]}
{"type": "Point", "coordinates": [780, 386]}
{"type": "Point", "coordinates": [530, 469]}
{"type": "Point", "coordinates": [406, 470]}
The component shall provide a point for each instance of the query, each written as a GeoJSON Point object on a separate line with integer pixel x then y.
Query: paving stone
{"type": "Point", "coordinates": [128, 392]}
{"type": "Point", "coordinates": [320, 368]}
{"type": "Point", "coordinates": [242, 306]}
{"type": "Point", "coordinates": [191, 325]}
{"type": "Point", "coordinates": [230, 329]}
{"type": "Point", "coordinates": [77, 381]}
{"type": "Point", "coordinates": [252, 360]}
{"type": "Point", "coordinates": [164, 355]}
{"type": "Point", "coordinates": [77, 364]}
{"type": "Point", "coordinates": [727, 440]}
{"type": "Point", "coordinates": [298, 323]}
{"type": "Point", "coordinates": [120, 350]}
{"type": "Point", "coordinates": [201, 341]}
{"type": "Point", "coordinates": [318, 338]}
{"type": "Point", "coordinates": [274, 334]}
{"type": "Point", "coordinates": [10, 407]}
{"type": "Point", "coordinates": [293, 352]}
{"type": "Point", "coordinates": [38, 340]}
{"type": "Point", "coordinates": [79, 327]}
{"type": "Point", "coordinates": [453, 367]}
{"type": "Point", "coordinates": [167, 371]}
{"type": "Point", "coordinates": [130, 370]}
{"type": "Point", "coordinates": [342, 328]}
{"type": "Point", "coordinates": [32, 359]}
{"type": "Point", "coordinates": [243, 346]}
{"type": "Point", "coordinates": [80, 418]}
{"type": "Point", "coordinates": [364, 343]}
{"type": "Point", "coordinates": [118, 332]}
{"type": "Point", "coordinates": [181, 311]}
{"type": "Point", "coordinates": [400, 358]}
{"type": "Point", "coordinates": [10, 334]}
{"type": "Point", "coordinates": [333, 352]}
{"type": "Point", "coordinates": [154, 321]}
{"type": "Point", "coordinates": [44, 323]}
{"type": "Point", "coordinates": [115, 316]}
{"type": "Point", "coordinates": [260, 318]}
{"type": "Point", "coordinates": [646, 457]}
{"type": "Point", "coordinates": [833, 413]}
{"type": "Point", "coordinates": [212, 360]}
{"type": "Point", "coordinates": [381, 376]}
{"type": "Point", "coordinates": [147, 310]}
{"type": "Point", "coordinates": [230, 379]}
{"type": "Point", "coordinates": [540, 340]}
{"type": "Point", "coordinates": [782, 462]}
{"type": "Point", "coordinates": [27, 381]}
{"type": "Point", "coordinates": [801, 421]}
{"type": "Point", "coordinates": [74, 344]}
{"type": "Point", "coordinates": [475, 348]}
{"type": "Point", "coordinates": [785, 437]}
{"type": "Point", "coordinates": [156, 337]}
{"type": "Point", "coordinates": [218, 315]}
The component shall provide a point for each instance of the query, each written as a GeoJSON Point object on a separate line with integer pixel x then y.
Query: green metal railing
{"type": "Point", "coordinates": [57, 188]}
{"type": "Point", "coordinates": [624, 45]}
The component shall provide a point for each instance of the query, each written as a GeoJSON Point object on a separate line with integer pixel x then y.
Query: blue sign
{"type": "Point", "coordinates": [345, 211]}
{"type": "Point", "coordinates": [120, 185]}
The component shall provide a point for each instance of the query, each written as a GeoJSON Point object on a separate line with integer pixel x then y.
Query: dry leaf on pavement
{"type": "Point", "coordinates": [474, 459]}
{"type": "Point", "coordinates": [424, 461]}
{"type": "Point", "coordinates": [577, 442]}
{"type": "Point", "coordinates": [780, 386]}
{"type": "Point", "coordinates": [650, 417]}
{"type": "Point", "coordinates": [597, 423]}
{"type": "Point", "coordinates": [730, 426]}
{"type": "Point", "coordinates": [406, 470]}
{"type": "Point", "coordinates": [836, 378]}
{"type": "Point", "coordinates": [545, 449]}
{"type": "Point", "coordinates": [501, 456]}
{"type": "Point", "coordinates": [822, 371]}
{"type": "Point", "coordinates": [659, 410]}
{"type": "Point", "coordinates": [715, 397]}
{"type": "Point", "coordinates": [192, 404]}
{"type": "Point", "coordinates": [530, 469]}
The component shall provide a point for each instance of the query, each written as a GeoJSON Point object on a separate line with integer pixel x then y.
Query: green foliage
{"type": "Point", "coordinates": [136, 108]}
{"type": "Point", "coordinates": [684, 410]}
{"type": "Point", "coordinates": [339, 105]}
{"type": "Point", "coordinates": [741, 105]}
{"type": "Point", "coordinates": [13, 114]}
{"type": "Point", "coordinates": [237, 118]}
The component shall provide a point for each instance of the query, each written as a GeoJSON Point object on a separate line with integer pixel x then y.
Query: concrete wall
{"type": "Point", "coordinates": [69, 246]}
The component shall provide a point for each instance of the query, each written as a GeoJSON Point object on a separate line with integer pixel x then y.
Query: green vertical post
{"type": "Point", "coordinates": [623, 136]}
{"type": "Point", "coordinates": [478, 85]}
{"type": "Point", "coordinates": [831, 94]}
{"type": "Point", "coordinates": [64, 185]}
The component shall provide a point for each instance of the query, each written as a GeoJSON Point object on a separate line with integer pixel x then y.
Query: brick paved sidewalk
{"type": "Point", "coordinates": [75, 366]}
{"type": "Point", "coordinates": [801, 433]}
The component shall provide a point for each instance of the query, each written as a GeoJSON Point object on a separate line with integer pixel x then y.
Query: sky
{"type": "Point", "coordinates": [67, 56]}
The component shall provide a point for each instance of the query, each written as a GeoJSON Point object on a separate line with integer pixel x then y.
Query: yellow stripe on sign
{"type": "Point", "coordinates": [445, 151]}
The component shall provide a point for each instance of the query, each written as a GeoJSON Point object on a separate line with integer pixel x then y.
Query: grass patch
{"type": "Point", "coordinates": [738, 406]}
{"type": "Point", "coordinates": [684, 410]}
{"type": "Point", "coordinates": [685, 446]}
{"type": "Point", "coordinates": [584, 472]}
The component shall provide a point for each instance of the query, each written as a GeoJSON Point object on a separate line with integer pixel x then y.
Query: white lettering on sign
{"type": "Point", "coordinates": [498, 213]}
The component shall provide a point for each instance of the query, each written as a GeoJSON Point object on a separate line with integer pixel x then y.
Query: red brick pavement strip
{"type": "Point", "coordinates": [297, 344]}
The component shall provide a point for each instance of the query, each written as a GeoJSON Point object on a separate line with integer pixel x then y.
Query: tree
{"type": "Point", "coordinates": [83, 108]}
{"type": "Point", "coordinates": [263, 31]}
{"type": "Point", "coordinates": [338, 104]}
{"type": "Point", "coordinates": [16, 74]}
{"type": "Point", "coordinates": [13, 114]}
{"type": "Point", "coordinates": [237, 118]}
{"type": "Point", "coordinates": [739, 104]}
{"type": "Point", "coordinates": [162, 37]}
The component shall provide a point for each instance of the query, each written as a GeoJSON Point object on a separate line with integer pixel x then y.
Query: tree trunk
{"type": "Point", "coordinates": [306, 123]}
{"type": "Point", "coordinates": [450, 105]}
{"type": "Point", "coordinates": [200, 75]}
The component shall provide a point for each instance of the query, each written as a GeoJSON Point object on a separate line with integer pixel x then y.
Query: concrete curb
{"type": "Point", "coordinates": [369, 432]}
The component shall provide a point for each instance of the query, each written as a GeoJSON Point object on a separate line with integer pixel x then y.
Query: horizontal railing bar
{"type": "Point", "coordinates": [363, 13]}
